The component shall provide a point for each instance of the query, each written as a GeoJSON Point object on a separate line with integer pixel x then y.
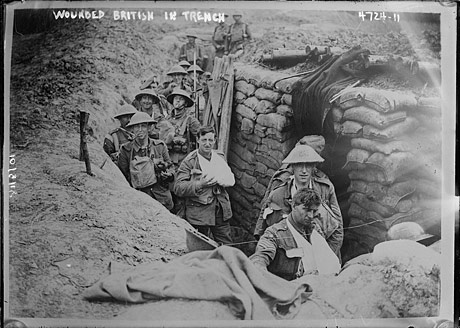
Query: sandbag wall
{"type": "Point", "coordinates": [262, 134]}
{"type": "Point", "coordinates": [394, 162]}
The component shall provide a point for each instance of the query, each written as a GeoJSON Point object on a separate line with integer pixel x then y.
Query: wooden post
{"type": "Point", "coordinates": [84, 155]}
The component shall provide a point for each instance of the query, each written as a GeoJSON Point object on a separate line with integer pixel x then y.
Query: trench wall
{"type": "Point", "coordinates": [389, 141]}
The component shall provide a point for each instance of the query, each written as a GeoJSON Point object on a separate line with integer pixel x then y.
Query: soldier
{"type": "Point", "coordinates": [191, 50]}
{"type": "Point", "coordinates": [219, 38]}
{"type": "Point", "coordinates": [238, 35]}
{"type": "Point", "coordinates": [177, 75]}
{"type": "Point", "coordinates": [146, 163]}
{"type": "Point", "coordinates": [201, 180]}
{"type": "Point", "coordinates": [191, 74]}
{"type": "Point", "coordinates": [186, 126]}
{"type": "Point", "coordinates": [120, 135]}
{"type": "Point", "coordinates": [150, 83]}
{"type": "Point", "coordinates": [303, 160]}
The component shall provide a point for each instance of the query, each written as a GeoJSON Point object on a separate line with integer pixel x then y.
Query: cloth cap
{"type": "Point", "coordinates": [303, 154]}
{"type": "Point", "coordinates": [194, 67]}
{"type": "Point", "coordinates": [177, 69]}
{"type": "Point", "coordinates": [139, 118]}
{"type": "Point", "coordinates": [183, 63]}
{"type": "Point", "coordinates": [148, 92]}
{"type": "Point", "coordinates": [408, 230]}
{"type": "Point", "coordinates": [126, 109]}
{"type": "Point", "coordinates": [183, 93]}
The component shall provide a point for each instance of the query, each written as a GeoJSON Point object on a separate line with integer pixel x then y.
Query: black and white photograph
{"type": "Point", "coordinates": [229, 163]}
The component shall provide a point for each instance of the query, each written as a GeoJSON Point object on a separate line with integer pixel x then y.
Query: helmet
{"type": "Point", "coordinates": [149, 81]}
{"type": "Point", "coordinates": [303, 154]}
{"type": "Point", "coordinates": [195, 67]}
{"type": "Point", "coordinates": [184, 64]}
{"type": "Point", "coordinates": [140, 117]}
{"type": "Point", "coordinates": [126, 109]}
{"type": "Point", "coordinates": [411, 231]}
{"type": "Point", "coordinates": [183, 93]}
{"type": "Point", "coordinates": [148, 92]}
{"type": "Point", "coordinates": [237, 13]}
{"type": "Point", "coordinates": [316, 142]}
{"type": "Point", "coordinates": [192, 35]}
{"type": "Point", "coordinates": [177, 69]}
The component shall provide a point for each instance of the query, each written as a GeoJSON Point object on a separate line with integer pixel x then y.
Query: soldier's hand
{"type": "Point", "coordinates": [207, 181]}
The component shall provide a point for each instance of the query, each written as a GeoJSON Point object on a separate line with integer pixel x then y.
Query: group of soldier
{"type": "Point", "coordinates": [163, 150]}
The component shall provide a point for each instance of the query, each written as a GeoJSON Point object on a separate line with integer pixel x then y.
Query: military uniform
{"type": "Point", "coordinates": [114, 140]}
{"type": "Point", "coordinates": [237, 37]}
{"type": "Point", "coordinates": [156, 152]}
{"type": "Point", "coordinates": [210, 207]}
{"type": "Point", "coordinates": [184, 140]}
{"type": "Point", "coordinates": [188, 50]}
{"type": "Point", "coordinates": [219, 39]}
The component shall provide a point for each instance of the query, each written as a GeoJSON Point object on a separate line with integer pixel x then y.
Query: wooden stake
{"type": "Point", "coordinates": [84, 154]}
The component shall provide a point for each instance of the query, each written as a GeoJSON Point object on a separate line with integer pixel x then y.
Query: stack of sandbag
{"type": "Point", "coordinates": [394, 162]}
{"type": "Point", "coordinates": [262, 135]}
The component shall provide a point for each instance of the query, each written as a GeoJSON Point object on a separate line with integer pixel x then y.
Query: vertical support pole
{"type": "Point", "coordinates": [84, 154]}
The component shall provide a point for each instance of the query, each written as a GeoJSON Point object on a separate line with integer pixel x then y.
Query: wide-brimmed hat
{"type": "Point", "coordinates": [192, 35]}
{"type": "Point", "coordinates": [183, 93]}
{"type": "Point", "coordinates": [148, 92]}
{"type": "Point", "coordinates": [410, 231]}
{"type": "Point", "coordinates": [303, 154]}
{"type": "Point", "coordinates": [194, 67]}
{"type": "Point", "coordinates": [183, 63]}
{"type": "Point", "coordinates": [139, 118]}
{"type": "Point", "coordinates": [177, 69]}
{"type": "Point", "coordinates": [126, 109]}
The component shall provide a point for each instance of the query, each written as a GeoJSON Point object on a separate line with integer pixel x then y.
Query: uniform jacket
{"type": "Point", "coordinates": [278, 206]}
{"type": "Point", "coordinates": [274, 251]}
{"type": "Point", "coordinates": [220, 34]}
{"type": "Point", "coordinates": [114, 140]}
{"type": "Point", "coordinates": [200, 207]}
{"type": "Point", "coordinates": [157, 149]}
{"type": "Point", "coordinates": [186, 53]}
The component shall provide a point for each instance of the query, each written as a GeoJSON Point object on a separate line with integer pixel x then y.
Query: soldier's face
{"type": "Point", "coordinates": [179, 101]}
{"type": "Point", "coordinates": [140, 131]}
{"type": "Point", "coordinates": [303, 215]}
{"type": "Point", "coordinates": [124, 120]}
{"type": "Point", "coordinates": [302, 172]}
{"type": "Point", "coordinates": [206, 143]}
{"type": "Point", "coordinates": [237, 18]}
{"type": "Point", "coordinates": [191, 39]}
{"type": "Point", "coordinates": [146, 102]}
{"type": "Point", "coordinates": [177, 78]}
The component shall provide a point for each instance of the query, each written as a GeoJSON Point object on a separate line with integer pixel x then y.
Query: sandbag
{"type": "Point", "coordinates": [284, 110]}
{"type": "Point", "coordinates": [356, 159]}
{"type": "Point", "coordinates": [428, 219]}
{"type": "Point", "coordinates": [381, 147]}
{"type": "Point", "coordinates": [428, 188]}
{"type": "Point", "coordinates": [240, 97]}
{"type": "Point", "coordinates": [388, 196]}
{"type": "Point", "coordinates": [434, 123]}
{"type": "Point", "coordinates": [245, 88]}
{"type": "Point", "coordinates": [372, 117]}
{"type": "Point", "coordinates": [393, 131]}
{"type": "Point", "coordinates": [286, 99]}
{"type": "Point", "coordinates": [251, 102]}
{"type": "Point", "coordinates": [394, 165]}
{"type": "Point", "coordinates": [265, 94]}
{"type": "Point", "coordinates": [370, 205]}
{"type": "Point", "coordinates": [265, 107]}
{"type": "Point", "coordinates": [380, 100]}
{"type": "Point", "coordinates": [273, 120]}
{"type": "Point", "coordinates": [352, 129]}
{"type": "Point", "coordinates": [247, 126]}
{"type": "Point", "coordinates": [245, 112]}
{"type": "Point", "coordinates": [369, 174]}
{"type": "Point", "coordinates": [314, 141]}
{"type": "Point", "coordinates": [337, 114]}
{"type": "Point", "coordinates": [429, 105]}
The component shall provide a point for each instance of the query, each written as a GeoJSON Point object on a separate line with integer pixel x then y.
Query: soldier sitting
{"type": "Point", "coordinates": [119, 136]}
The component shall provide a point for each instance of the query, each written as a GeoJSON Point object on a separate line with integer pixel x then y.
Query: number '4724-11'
{"type": "Point", "coordinates": [378, 16]}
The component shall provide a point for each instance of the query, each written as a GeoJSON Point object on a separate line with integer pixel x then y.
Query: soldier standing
{"type": "Point", "coordinates": [146, 163]}
{"type": "Point", "coordinates": [238, 35]}
{"type": "Point", "coordinates": [119, 136]}
{"type": "Point", "coordinates": [219, 38]}
{"type": "Point", "coordinates": [191, 50]}
{"type": "Point", "coordinates": [177, 75]}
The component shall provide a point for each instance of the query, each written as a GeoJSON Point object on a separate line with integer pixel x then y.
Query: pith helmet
{"type": "Point", "coordinates": [411, 231]}
{"type": "Point", "coordinates": [184, 64]}
{"type": "Point", "coordinates": [194, 67]}
{"type": "Point", "coordinates": [148, 92]}
{"type": "Point", "coordinates": [126, 109]}
{"type": "Point", "coordinates": [183, 93]}
{"type": "Point", "coordinates": [177, 69]}
{"type": "Point", "coordinates": [139, 118]}
{"type": "Point", "coordinates": [303, 154]}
